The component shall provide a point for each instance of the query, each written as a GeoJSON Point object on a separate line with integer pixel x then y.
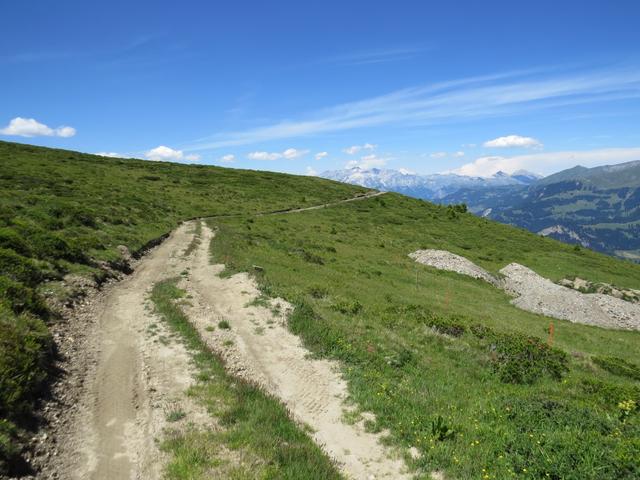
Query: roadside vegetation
{"type": "Point", "coordinates": [256, 438]}
{"type": "Point", "coordinates": [67, 213]}
{"type": "Point", "coordinates": [480, 388]}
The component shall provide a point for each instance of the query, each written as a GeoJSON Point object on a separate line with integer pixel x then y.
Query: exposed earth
{"type": "Point", "coordinates": [539, 295]}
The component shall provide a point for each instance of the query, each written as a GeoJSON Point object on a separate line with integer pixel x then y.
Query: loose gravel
{"type": "Point", "coordinates": [537, 294]}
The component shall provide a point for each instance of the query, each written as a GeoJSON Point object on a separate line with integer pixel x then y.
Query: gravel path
{"type": "Point", "coordinates": [539, 295]}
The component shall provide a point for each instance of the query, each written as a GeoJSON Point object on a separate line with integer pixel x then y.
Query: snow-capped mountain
{"type": "Point", "coordinates": [427, 187]}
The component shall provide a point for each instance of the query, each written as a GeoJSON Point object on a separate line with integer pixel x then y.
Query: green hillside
{"type": "Point", "coordinates": [445, 362]}
{"type": "Point", "coordinates": [64, 212]}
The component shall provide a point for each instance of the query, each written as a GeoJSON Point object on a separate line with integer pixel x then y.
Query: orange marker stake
{"type": "Point", "coordinates": [551, 331]}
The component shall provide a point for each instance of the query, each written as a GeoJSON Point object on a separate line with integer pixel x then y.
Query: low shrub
{"type": "Point", "coordinates": [11, 240]}
{"type": "Point", "coordinates": [18, 268]}
{"type": "Point", "coordinates": [25, 349]}
{"type": "Point", "coordinates": [400, 358]}
{"type": "Point", "coordinates": [20, 298]}
{"type": "Point", "coordinates": [520, 358]}
{"type": "Point", "coordinates": [310, 257]}
{"type": "Point", "coordinates": [348, 307]}
{"type": "Point", "coordinates": [318, 291]}
{"type": "Point", "coordinates": [618, 366]}
{"type": "Point", "coordinates": [8, 445]}
{"type": "Point", "coordinates": [446, 326]}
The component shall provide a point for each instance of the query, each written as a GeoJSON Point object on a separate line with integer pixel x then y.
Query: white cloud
{"type": "Point", "coordinates": [511, 141]}
{"type": "Point", "coordinates": [228, 158]}
{"type": "Point", "coordinates": [110, 154]}
{"type": "Point", "coordinates": [458, 154]}
{"type": "Point", "coordinates": [193, 157]}
{"type": "Point", "coordinates": [438, 154]}
{"type": "Point", "coordinates": [30, 127]}
{"type": "Point", "coordinates": [264, 156]}
{"type": "Point", "coordinates": [65, 132]}
{"type": "Point", "coordinates": [367, 161]}
{"type": "Point", "coordinates": [311, 172]}
{"type": "Point", "coordinates": [289, 154]}
{"type": "Point", "coordinates": [548, 162]}
{"type": "Point", "coordinates": [321, 155]}
{"type": "Point", "coordinates": [356, 148]}
{"type": "Point", "coordinates": [166, 154]}
{"type": "Point", "coordinates": [465, 99]}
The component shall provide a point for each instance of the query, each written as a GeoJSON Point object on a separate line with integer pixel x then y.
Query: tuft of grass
{"type": "Point", "coordinates": [175, 415]}
{"type": "Point", "coordinates": [618, 366]}
{"type": "Point", "coordinates": [224, 325]}
{"type": "Point", "coordinates": [263, 440]}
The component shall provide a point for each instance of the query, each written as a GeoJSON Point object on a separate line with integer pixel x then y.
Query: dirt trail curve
{"type": "Point", "coordinates": [122, 411]}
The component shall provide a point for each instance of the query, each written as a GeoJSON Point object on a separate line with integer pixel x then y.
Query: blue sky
{"type": "Point", "coordinates": [303, 87]}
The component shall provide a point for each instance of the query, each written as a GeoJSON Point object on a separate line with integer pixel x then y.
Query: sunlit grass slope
{"type": "Point", "coordinates": [445, 362]}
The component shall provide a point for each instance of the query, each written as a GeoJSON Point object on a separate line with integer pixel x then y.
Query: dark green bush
{"type": "Point", "coordinates": [20, 298]}
{"type": "Point", "coordinates": [84, 219]}
{"type": "Point", "coordinates": [348, 307]}
{"type": "Point", "coordinates": [481, 331]}
{"type": "Point", "coordinates": [400, 358]}
{"type": "Point", "coordinates": [18, 268]}
{"type": "Point", "coordinates": [618, 366]}
{"type": "Point", "coordinates": [11, 240]}
{"type": "Point", "coordinates": [311, 257]}
{"type": "Point", "coordinates": [446, 326]}
{"type": "Point", "coordinates": [8, 445]}
{"type": "Point", "coordinates": [318, 291]}
{"type": "Point", "coordinates": [49, 245]}
{"type": "Point", "coordinates": [520, 358]}
{"type": "Point", "coordinates": [25, 348]}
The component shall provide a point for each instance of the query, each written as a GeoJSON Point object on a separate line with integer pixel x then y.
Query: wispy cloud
{"type": "Point", "coordinates": [368, 161]}
{"type": "Point", "coordinates": [352, 150]}
{"type": "Point", "coordinates": [472, 98]}
{"type": "Point", "coordinates": [382, 55]}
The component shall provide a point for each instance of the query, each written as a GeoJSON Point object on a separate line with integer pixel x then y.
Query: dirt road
{"type": "Point", "coordinates": [123, 407]}
{"type": "Point", "coordinates": [122, 411]}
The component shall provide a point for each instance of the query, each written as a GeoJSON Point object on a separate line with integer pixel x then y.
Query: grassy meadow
{"type": "Point", "coordinates": [448, 366]}
{"type": "Point", "coordinates": [64, 212]}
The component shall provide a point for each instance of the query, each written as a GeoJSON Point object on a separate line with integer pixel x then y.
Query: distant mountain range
{"type": "Point", "coordinates": [598, 208]}
{"type": "Point", "coordinates": [427, 187]}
